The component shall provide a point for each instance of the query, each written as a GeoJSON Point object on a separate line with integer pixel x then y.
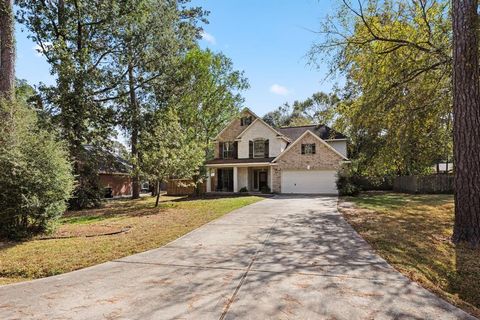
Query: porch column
{"type": "Point", "coordinates": [209, 180]}
{"type": "Point", "coordinates": [235, 179]}
{"type": "Point", "coordinates": [271, 178]}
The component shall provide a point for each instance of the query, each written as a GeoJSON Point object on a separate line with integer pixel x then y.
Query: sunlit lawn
{"type": "Point", "coordinates": [141, 226]}
{"type": "Point", "coordinates": [412, 232]}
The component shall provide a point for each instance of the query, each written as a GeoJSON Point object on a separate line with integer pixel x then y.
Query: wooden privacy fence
{"type": "Point", "coordinates": [438, 183]}
{"type": "Point", "coordinates": [183, 187]}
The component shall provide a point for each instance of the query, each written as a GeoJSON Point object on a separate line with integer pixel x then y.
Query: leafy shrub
{"type": "Point", "coordinates": [346, 181]}
{"type": "Point", "coordinates": [35, 176]}
{"type": "Point", "coordinates": [243, 189]}
{"type": "Point", "coordinates": [265, 189]}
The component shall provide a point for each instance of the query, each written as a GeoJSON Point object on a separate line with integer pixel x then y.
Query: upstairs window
{"type": "Point", "coordinates": [228, 150]}
{"type": "Point", "coordinates": [260, 148]}
{"type": "Point", "coordinates": [308, 148]}
{"type": "Point", "coordinates": [245, 121]}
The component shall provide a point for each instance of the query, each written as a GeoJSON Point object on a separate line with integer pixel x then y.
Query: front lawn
{"type": "Point", "coordinates": [121, 228]}
{"type": "Point", "coordinates": [412, 232]}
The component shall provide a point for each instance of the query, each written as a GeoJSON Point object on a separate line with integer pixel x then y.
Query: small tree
{"type": "Point", "coordinates": [168, 150]}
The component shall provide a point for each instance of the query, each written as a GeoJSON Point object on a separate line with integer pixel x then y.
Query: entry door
{"type": "Point", "coordinates": [262, 179]}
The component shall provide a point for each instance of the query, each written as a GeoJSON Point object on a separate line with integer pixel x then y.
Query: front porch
{"type": "Point", "coordinates": [255, 178]}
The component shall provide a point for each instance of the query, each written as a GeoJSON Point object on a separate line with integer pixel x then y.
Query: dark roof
{"type": "Point", "coordinates": [321, 131]}
{"type": "Point", "coordinates": [107, 161]}
{"type": "Point", "coordinates": [233, 161]}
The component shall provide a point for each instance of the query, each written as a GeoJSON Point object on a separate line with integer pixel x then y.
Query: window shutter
{"type": "Point", "coordinates": [250, 149]}
{"type": "Point", "coordinates": [220, 150]}
{"type": "Point", "coordinates": [313, 148]}
{"type": "Point", "coordinates": [303, 148]}
{"type": "Point", "coordinates": [235, 150]}
{"type": "Point", "coordinates": [241, 121]}
{"type": "Point", "coordinates": [266, 148]}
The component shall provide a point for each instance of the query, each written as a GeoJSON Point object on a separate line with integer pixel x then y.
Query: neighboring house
{"type": "Point", "coordinates": [113, 172]}
{"type": "Point", "coordinates": [252, 155]}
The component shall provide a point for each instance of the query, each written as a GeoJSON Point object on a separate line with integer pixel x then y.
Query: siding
{"type": "Point", "coordinates": [340, 146]}
{"type": "Point", "coordinates": [260, 130]}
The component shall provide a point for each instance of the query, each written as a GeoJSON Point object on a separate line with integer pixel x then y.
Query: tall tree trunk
{"type": "Point", "coordinates": [134, 135]}
{"type": "Point", "coordinates": [466, 126]}
{"type": "Point", "coordinates": [7, 50]}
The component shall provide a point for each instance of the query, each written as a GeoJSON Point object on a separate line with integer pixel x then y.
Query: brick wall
{"type": "Point", "coordinates": [323, 159]}
{"type": "Point", "coordinates": [121, 184]}
{"type": "Point", "coordinates": [232, 131]}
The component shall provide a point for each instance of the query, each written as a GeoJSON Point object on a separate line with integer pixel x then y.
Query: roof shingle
{"type": "Point", "coordinates": [322, 131]}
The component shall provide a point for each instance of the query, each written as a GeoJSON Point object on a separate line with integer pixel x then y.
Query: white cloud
{"type": "Point", "coordinates": [208, 37]}
{"type": "Point", "coordinates": [280, 90]}
{"type": "Point", "coordinates": [38, 49]}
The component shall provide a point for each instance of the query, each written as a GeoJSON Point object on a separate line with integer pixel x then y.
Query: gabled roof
{"type": "Point", "coordinates": [322, 131]}
{"type": "Point", "coordinates": [301, 137]}
{"type": "Point", "coordinates": [280, 135]}
{"type": "Point", "coordinates": [233, 119]}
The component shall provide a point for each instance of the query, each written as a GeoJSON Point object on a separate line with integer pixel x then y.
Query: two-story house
{"type": "Point", "coordinates": [252, 155]}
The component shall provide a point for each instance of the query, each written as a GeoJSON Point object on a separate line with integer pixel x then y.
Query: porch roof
{"type": "Point", "coordinates": [239, 161]}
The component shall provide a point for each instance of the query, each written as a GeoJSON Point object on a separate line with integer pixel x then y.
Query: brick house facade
{"type": "Point", "coordinates": [251, 155]}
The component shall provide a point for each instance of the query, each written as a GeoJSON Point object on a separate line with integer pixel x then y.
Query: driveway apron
{"type": "Point", "coordinates": [287, 257]}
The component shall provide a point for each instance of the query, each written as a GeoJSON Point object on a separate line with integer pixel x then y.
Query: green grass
{"type": "Point", "coordinates": [412, 232]}
{"type": "Point", "coordinates": [149, 228]}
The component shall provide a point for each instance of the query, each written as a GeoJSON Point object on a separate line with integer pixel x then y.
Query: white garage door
{"type": "Point", "coordinates": [309, 181]}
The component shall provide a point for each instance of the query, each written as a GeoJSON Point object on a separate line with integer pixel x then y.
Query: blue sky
{"type": "Point", "coordinates": [268, 39]}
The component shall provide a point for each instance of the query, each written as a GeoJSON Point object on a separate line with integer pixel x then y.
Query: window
{"type": "Point", "coordinates": [228, 150]}
{"type": "Point", "coordinates": [259, 148]}
{"type": "Point", "coordinates": [245, 121]}
{"type": "Point", "coordinates": [308, 148]}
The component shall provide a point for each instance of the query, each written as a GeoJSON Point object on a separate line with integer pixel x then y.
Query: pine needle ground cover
{"type": "Point", "coordinates": [412, 232]}
{"type": "Point", "coordinates": [121, 228]}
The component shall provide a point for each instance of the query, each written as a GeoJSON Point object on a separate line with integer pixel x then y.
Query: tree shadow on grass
{"type": "Point", "coordinates": [389, 201]}
{"type": "Point", "coordinates": [465, 282]}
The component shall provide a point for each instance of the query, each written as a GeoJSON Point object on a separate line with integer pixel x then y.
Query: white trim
{"type": "Point", "coordinates": [209, 181]}
{"type": "Point", "coordinates": [235, 179]}
{"type": "Point", "coordinates": [240, 164]}
{"type": "Point", "coordinates": [342, 139]}
{"type": "Point", "coordinates": [268, 126]}
{"type": "Point", "coordinates": [301, 137]}
{"type": "Point", "coordinates": [234, 118]}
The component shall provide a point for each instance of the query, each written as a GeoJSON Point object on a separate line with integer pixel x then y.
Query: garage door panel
{"type": "Point", "coordinates": [309, 181]}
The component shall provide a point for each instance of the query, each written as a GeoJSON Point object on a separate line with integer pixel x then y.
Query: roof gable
{"type": "Point", "coordinates": [260, 121]}
{"type": "Point", "coordinates": [234, 125]}
{"type": "Point", "coordinates": [308, 132]}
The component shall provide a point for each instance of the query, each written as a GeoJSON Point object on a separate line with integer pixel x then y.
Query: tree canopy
{"type": "Point", "coordinates": [397, 99]}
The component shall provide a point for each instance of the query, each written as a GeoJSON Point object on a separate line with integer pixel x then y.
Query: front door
{"type": "Point", "coordinates": [259, 179]}
{"type": "Point", "coordinates": [262, 179]}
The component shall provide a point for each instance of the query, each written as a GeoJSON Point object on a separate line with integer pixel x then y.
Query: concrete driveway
{"type": "Point", "coordinates": [281, 258]}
